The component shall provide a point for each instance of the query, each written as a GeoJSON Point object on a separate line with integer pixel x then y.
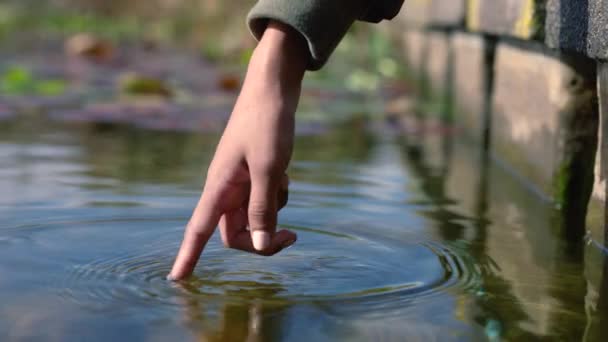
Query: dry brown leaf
{"type": "Point", "coordinates": [229, 83]}
{"type": "Point", "coordinates": [89, 46]}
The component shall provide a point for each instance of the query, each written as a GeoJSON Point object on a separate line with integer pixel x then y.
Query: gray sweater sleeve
{"type": "Point", "coordinates": [322, 22]}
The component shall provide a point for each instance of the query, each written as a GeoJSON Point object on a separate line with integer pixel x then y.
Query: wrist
{"type": "Point", "coordinates": [281, 56]}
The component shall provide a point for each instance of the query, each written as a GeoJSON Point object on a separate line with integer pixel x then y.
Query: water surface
{"type": "Point", "coordinates": [399, 239]}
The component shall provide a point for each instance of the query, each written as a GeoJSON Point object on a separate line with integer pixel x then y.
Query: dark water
{"type": "Point", "coordinates": [400, 238]}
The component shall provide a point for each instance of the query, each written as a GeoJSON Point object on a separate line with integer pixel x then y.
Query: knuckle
{"type": "Point", "coordinates": [265, 168]}
{"type": "Point", "coordinates": [268, 164]}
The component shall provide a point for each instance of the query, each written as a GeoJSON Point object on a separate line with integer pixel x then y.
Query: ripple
{"type": "Point", "coordinates": [325, 267]}
{"type": "Point", "coordinates": [14, 239]}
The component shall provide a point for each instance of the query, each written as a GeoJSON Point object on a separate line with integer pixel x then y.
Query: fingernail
{"type": "Point", "coordinates": [261, 240]}
{"type": "Point", "coordinates": [170, 277]}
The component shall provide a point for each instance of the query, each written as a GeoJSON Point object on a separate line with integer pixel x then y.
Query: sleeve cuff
{"type": "Point", "coordinates": [323, 23]}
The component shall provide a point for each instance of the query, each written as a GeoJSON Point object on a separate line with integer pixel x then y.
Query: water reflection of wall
{"type": "Point", "coordinates": [532, 279]}
{"type": "Point", "coordinates": [598, 211]}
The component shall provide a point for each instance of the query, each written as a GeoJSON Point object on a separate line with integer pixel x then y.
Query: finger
{"type": "Point", "coordinates": [200, 228]}
{"type": "Point", "coordinates": [241, 240]}
{"type": "Point", "coordinates": [231, 224]}
{"type": "Point", "coordinates": [254, 332]}
{"type": "Point", "coordinates": [283, 195]}
{"type": "Point", "coordinates": [262, 210]}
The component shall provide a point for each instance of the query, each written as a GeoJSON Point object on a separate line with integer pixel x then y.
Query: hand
{"type": "Point", "coordinates": [246, 177]}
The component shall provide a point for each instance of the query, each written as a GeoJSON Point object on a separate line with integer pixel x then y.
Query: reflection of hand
{"type": "Point", "coordinates": [246, 175]}
{"type": "Point", "coordinates": [229, 321]}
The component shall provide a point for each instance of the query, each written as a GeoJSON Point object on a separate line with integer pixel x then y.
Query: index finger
{"type": "Point", "coordinates": [200, 228]}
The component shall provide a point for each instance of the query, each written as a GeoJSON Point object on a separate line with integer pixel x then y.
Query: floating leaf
{"type": "Point", "coordinates": [89, 46]}
{"type": "Point", "coordinates": [50, 88]}
{"type": "Point", "coordinates": [16, 80]}
{"type": "Point", "coordinates": [229, 83]}
{"type": "Point", "coordinates": [137, 84]}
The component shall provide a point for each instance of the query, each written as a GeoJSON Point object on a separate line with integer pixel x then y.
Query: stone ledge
{"type": "Point", "coordinates": [448, 12]}
{"type": "Point", "coordinates": [438, 13]}
{"type": "Point", "coordinates": [577, 25]}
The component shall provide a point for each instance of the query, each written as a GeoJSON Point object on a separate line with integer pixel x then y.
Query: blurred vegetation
{"type": "Point", "coordinates": [352, 84]}
{"type": "Point", "coordinates": [215, 28]}
{"type": "Point", "coordinates": [18, 80]}
{"type": "Point", "coordinates": [48, 21]}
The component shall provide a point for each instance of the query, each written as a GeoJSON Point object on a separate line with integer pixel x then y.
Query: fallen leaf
{"type": "Point", "coordinates": [138, 84]}
{"type": "Point", "coordinates": [89, 46]}
{"type": "Point", "coordinates": [229, 83]}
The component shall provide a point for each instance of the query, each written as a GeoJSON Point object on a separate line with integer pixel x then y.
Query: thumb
{"type": "Point", "coordinates": [262, 210]}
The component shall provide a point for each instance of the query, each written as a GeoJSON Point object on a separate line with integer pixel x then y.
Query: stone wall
{"type": "Point", "coordinates": [528, 82]}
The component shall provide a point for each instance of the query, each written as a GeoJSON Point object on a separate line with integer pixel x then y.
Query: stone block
{"type": "Point", "coordinates": [544, 123]}
{"type": "Point", "coordinates": [424, 13]}
{"type": "Point", "coordinates": [415, 13]}
{"type": "Point", "coordinates": [523, 19]}
{"type": "Point", "coordinates": [414, 50]}
{"type": "Point", "coordinates": [437, 63]}
{"type": "Point", "coordinates": [471, 92]}
{"type": "Point", "coordinates": [579, 25]}
{"type": "Point", "coordinates": [448, 12]}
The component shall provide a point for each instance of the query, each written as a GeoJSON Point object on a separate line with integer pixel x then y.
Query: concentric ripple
{"type": "Point", "coordinates": [324, 266]}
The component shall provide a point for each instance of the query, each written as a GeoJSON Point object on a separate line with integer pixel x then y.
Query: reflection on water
{"type": "Point", "coordinates": [532, 281]}
{"type": "Point", "coordinates": [416, 238]}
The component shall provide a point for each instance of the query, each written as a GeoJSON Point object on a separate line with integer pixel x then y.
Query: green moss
{"type": "Point", "coordinates": [574, 178]}
{"type": "Point", "coordinates": [540, 15]}
{"type": "Point", "coordinates": [561, 180]}
{"type": "Point", "coordinates": [573, 185]}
